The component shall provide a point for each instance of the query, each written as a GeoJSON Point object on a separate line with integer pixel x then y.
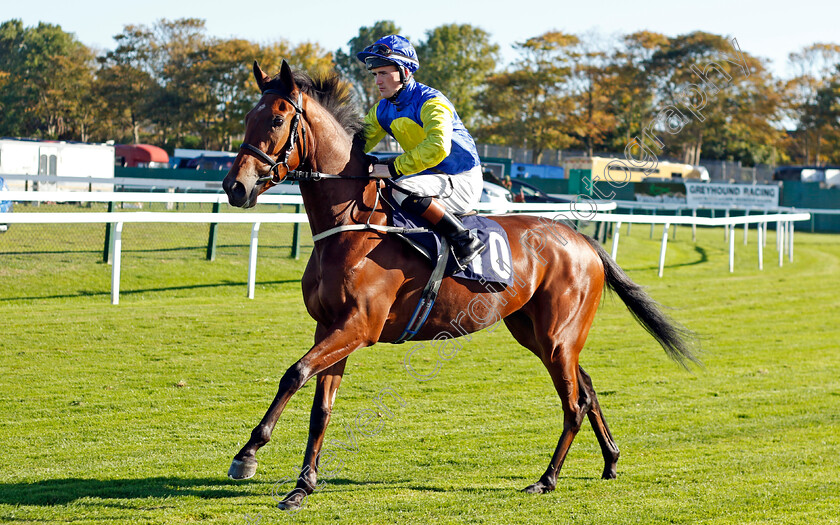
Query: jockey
{"type": "Point", "coordinates": [439, 174]}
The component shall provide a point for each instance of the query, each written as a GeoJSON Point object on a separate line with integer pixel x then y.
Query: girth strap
{"type": "Point", "coordinates": [428, 297]}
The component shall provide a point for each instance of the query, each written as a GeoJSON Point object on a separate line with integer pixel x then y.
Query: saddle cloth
{"type": "Point", "coordinates": [493, 265]}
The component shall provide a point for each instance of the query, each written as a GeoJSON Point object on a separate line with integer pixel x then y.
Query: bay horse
{"type": "Point", "coordinates": [361, 286]}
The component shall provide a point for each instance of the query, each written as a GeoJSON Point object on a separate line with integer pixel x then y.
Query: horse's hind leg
{"type": "Point", "coordinates": [576, 402]}
{"type": "Point", "coordinates": [596, 418]}
{"type": "Point", "coordinates": [562, 365]}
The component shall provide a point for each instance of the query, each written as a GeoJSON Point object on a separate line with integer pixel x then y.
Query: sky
{"type": "Point", "coordinates": [770, 29]}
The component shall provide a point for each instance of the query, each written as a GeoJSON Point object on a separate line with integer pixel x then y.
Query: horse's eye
{"type": "Point", "coordinates": [278, 121]}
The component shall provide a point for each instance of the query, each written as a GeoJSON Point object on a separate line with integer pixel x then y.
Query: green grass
{"type": "Point", "coordinates": [131, 414]}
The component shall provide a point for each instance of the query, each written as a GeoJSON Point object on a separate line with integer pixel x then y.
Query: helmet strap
{"type": "Point", "coordinates": [404, 77]}
{"type": "Point", "coordinates": [393, 98]}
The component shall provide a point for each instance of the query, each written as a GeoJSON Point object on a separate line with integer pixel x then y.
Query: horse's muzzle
{"type": "Point", "coordinates": [237, 194]}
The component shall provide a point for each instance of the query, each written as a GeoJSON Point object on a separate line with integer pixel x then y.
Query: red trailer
{"type": "Point", "coordinates": [140, 156]}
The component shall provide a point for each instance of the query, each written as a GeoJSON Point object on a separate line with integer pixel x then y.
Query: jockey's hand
{"type": "Point", "coordinates": [380, 170]}
{"type": "Point", "coordinates": [381, 167]}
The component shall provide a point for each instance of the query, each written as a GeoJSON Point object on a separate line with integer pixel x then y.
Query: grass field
{"type": "Point", "coordinates": [131, 414]}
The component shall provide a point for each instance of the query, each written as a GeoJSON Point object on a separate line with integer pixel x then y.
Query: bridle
{"type": "Point", "coordinates": [292, 175]}
{"type": "Point", "coordinates": [273, 176]}
{"type": "Point", "coordinates": [309, 175]}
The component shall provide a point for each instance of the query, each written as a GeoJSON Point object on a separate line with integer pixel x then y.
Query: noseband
{"type": "Point", "coordinates": [272, 175]}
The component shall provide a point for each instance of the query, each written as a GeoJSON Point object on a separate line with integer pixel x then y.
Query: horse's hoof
{"type": "Point", "coordinates": [242, 468]}
{"type": "Point", "coordinates": [538, 488]}
{"type": "Point", "coordinates": [293, 501]}
{"type": "Point", "coordinates": [292, 506]}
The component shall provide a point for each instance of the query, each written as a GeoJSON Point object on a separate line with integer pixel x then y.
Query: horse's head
{"type": "Point", "coordinates": [275, 139]}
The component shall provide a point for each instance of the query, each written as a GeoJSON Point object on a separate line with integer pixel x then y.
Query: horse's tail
{"type": "Point", "coordinates": [677, 340]}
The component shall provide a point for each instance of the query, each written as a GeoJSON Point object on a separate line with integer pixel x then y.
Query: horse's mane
{"type": "Point", "coordinates": [330, 92]}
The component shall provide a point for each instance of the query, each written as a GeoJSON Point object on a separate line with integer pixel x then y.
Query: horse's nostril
{"type": "Point", "coordinates": [237, 195]}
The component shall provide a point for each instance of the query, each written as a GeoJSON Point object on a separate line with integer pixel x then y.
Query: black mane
{"type": "Point", "coordinates": [330, 92]}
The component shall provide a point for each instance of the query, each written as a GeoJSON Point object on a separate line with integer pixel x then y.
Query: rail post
{"type": "Point", "coordinates": [732, 250]}
{"type": "Point", "coordinates": [761, 228]}
{"type": "Point", "coordinates": [615, 240]}
{"type": "Point", "coordinates": [296, 236]}
{"type": "Point", "coordinates": [109, 232]}
{"type": "Point", "coordinates": [214, 233]}
{"type": "Point", "coordinates": [663, 248]}
{"type": "Point", "coordinates": [780, 241]}
{"type": "Point", "coordinates": [252, 260]}
{"type": "Point", "coordinates": [115, 268]}
{"type": "Point", "coordinates": [790, 241]}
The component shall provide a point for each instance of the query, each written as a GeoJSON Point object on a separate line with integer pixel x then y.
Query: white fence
{"type": "Point", "coordinates": [784, 222]}
{"type": "Point", "coordinates": [127, 196]}
{"type": "Point", "coordinates": [266, 198]}
{"type": "Point", "coordinates": [119, 218]}
{"type": "Point", "coordinates": [784, 230]}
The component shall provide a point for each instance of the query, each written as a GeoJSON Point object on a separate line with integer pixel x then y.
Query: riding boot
{"type": "Point", "coordinates": [465, 245]}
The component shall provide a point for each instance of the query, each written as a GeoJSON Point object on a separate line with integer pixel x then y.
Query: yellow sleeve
{"type": "Point", "coordinates": [437, 120]}
{"type": "Point", "coordinates": [373, 131]}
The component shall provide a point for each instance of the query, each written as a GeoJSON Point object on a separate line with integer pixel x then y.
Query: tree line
{"type": "Point", "coordinates": [173, 85]}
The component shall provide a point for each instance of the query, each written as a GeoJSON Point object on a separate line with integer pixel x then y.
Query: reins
{"type": "Point", "coordinates": [429, 294]}
{"type": "Point", "coordinates": [311, 175]}
{"type": "Point", "coordinates": [292, 175]}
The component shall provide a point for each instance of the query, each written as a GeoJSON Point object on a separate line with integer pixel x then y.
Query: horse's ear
{"type": "Point", "coordinates": [259, 74]}
{"type": "Point", "coordinates": [286, 76]}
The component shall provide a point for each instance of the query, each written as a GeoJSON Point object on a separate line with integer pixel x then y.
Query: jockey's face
{"type": "Point", "coordinates": [387, 80]}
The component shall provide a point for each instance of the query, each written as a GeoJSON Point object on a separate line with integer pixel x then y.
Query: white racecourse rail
{"type": "Point", "coordinates": [119, 218]}
{"type": "Point", "coordinates": [551, 210]}
{"type": "Point", "coordinates": [784, 229]}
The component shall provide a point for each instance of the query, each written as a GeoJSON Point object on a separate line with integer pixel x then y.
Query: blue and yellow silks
{"type": "Point", "coordinates": [428, 128]}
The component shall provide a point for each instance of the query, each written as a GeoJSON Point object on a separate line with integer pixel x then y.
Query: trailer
{"type": "Point", "coordinates": [140, 156]}
{"type": "Point", "coordinates": [51, 160]}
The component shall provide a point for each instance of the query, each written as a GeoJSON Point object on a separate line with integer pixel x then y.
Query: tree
{"type": "Point", "coordinates": [181, 104]}
{"type": "Point", "coordinates": [66, 98]}
{"type": "Point", "coordinates": [714, 99]}
{"type": "Point", "coordinates": [148, 81]}
{"type": "Point", "coordinates": [222, 83]}
{"type": "Point", "coordinates": [807, 101]}
{"type": "Point", "coordinates": [631, 91]}
{"type": "Point", "coordinates": [353, 70]}
{"type": "Point", "coordinates": [126, 79]}
{"type": "Point", "coordinates": [527, 105]}
{"type": "Point", "coordinates": [457, 59]}
{"type": "Point", "coordinates": [590, 85]}
{"type": "Point", "coordinates": [47, 75]}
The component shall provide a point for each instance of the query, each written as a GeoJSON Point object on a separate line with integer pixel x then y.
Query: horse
{"type": "Point", "coordinates": [361, 285]}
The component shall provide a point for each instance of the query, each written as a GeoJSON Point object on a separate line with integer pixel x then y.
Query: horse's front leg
{"type": "Point", "coordinates": [328, 382]}
{"type": "Point", "coordinates": [332, 345]}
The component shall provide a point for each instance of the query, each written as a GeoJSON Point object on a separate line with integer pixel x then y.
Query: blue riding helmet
{"type": "Point", "coordinates": [391, 50]}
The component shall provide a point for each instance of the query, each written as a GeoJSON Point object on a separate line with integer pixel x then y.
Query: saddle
{"type": "Point", "coordinates": [492, 265]}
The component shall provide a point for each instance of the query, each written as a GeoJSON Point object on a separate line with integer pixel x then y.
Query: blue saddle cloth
{"type": "Point", "coordinates": [494, 264]}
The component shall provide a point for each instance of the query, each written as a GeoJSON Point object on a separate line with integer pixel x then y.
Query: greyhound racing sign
{"type": "Point", "coordinates": [717, 195]}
